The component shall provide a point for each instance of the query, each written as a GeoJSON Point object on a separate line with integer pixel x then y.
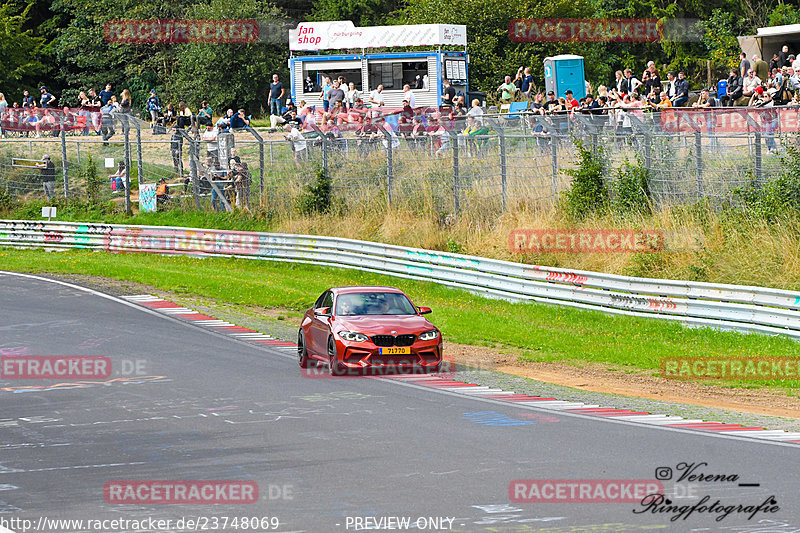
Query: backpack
{"type": "Point", "coordinates": [784, 94]}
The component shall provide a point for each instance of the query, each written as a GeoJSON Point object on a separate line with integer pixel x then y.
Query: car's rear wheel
{"type": "Point", "coordinates": [334, 366]}
{"type": "Point", "coordinates": [302, 351]}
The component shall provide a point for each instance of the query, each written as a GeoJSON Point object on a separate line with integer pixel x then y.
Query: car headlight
{"type": "Point", "coordinates": [352, 336]}
{"type": "Point", "coordinates": [429, 335]}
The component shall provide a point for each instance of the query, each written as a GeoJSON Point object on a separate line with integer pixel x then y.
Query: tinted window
{"type": "Point", "coordinates": [319, 303]}
{"type": "Point", "coordinates": [374, 303]}
{"type": "Point", "coordinates": [327, 301]}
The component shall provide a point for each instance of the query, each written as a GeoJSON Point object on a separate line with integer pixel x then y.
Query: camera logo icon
{"type": "Point", "coordinates": [663, 473]}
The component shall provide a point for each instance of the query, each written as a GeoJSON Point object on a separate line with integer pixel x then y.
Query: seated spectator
{"type": "Point", "coordinates": [118, 178]}
{"type": "Point", "coordinates": [537, 106]}
{"type": "Point", "coordinates": [224, 122]}
{"type": "Point", "coordinates": [590, 106]}
{"type": "Point", "coordinates": [239, 121]}
{"type": "Point", "coordinates": [664, 102]}
{"type": "Point", "coordinates": [733, 91]}
{"type": "Point", "coordinates": [681, 91]}
{"type": "Point", "coordinates": [205, 115]}
{"type": "Point", "coordinates": [184, 116]}
{"type": "Point", "coordinates": [162, 192]}
{"type": "Point", "coordinates": [552, 105]}
{"type": "Point", "coordinates": [706, 100]}
{"type": "Point", "coordinates": [169, 116]}
{"type": "Point", "coordinates": [750, 83]}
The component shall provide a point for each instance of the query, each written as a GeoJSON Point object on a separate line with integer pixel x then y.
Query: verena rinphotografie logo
{"type": "Point", "coordinates": [180, 492]}
{"type": "Point", "coordinates": [55, 366]}
{"type": "Point", "coordinates": [582, 490]}
{"type": "Point", "coordinates": [767, 368]}
{"type": "Point", "coordinates": [181, 31]}
{"type": "Point", "coordinates": [572, 241]}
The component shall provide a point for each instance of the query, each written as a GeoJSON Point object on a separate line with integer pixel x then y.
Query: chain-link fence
{"type": "Point", "coordinates": [515, 160]}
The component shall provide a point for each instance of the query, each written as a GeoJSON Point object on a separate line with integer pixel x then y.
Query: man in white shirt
{"type": "Point", "coordinates": [750, 83]}
{"type": "Point", "coordinates": [210, 137]}
{"type": "Point", "coordinates": [298, 143]}
{"type": "Point", "coordinates": [376, 97]}
{"type": "Point", "coordinates": [408, 94]}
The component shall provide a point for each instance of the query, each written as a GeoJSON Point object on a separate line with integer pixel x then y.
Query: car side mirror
{"type": "Point", "coordinates": [322, 311]}
{"type": "Point", "coordinates": [425, 310]}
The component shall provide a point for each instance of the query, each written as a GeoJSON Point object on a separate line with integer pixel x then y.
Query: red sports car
{"type": "Point", "coordinates": [362, 328]}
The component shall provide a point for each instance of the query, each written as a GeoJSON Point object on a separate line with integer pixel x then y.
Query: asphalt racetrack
{"type": "Point", "coordinates": [328, 454]}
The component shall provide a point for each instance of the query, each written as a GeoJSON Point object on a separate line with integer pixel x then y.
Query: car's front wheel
{"type": "Point", "coordinates": [302, 351]}
{"type": "Point", "coordinates": [334, 366]}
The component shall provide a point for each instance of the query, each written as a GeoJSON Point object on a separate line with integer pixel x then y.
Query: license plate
{"type": "Point", "coordinates": [395, 351]}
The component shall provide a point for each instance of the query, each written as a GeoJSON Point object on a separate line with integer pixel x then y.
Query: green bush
{"type": "Point", "coordinates": [317, 196]}
{"type": "Point", "coordinates": [92, 180]}
{"type": "Point", "coordinates": [776, 198]}
{"type": "Point", "coordinates": [588, 193]}
{"type": "Point", "coordinates": [632, 190]}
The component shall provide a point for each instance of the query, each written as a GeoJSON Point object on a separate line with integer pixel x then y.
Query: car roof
{"type": "Point", "coordinates": [362, 288]}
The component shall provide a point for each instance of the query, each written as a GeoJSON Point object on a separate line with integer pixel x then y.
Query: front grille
{"type": "Point", "coordinates": [387, 341]}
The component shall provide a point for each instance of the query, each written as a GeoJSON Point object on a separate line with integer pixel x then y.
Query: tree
{"type": "Point", "coordinates": [20, 50]}
{"type": "Point", "coordinates": [360, 12]}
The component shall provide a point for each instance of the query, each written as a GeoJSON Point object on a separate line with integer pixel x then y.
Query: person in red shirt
{"type": "Point", "coordinates": [571, 102]}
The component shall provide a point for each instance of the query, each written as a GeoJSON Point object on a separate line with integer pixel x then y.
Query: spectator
{"type": "Point", "coordinates": [95, 106]}
{"type": "Point", "coordinates": [671, 88]}
{"type": "Point", "coordinates": [27, 100]}
{"type": "Point", "coordinates": [352, 95]}
{"type": "Point", "coordinates": [336, 95]}
{"type": "Point", "coordinates": [653, 82]}
{"type": "Point", "coordinates": [418, 83]}
{"type": "Point", "coordinates": [681, 91]}
{"type": "Point", "coordinates": [205, 115]}
{"type": "Point", "coordinates": [48, 170]}
{"type": "Point", "coordinates": [793, 79]}
{"type": "Point", "coordinates": [537, 106]}
{"type": "Point", "coordinates": [106, 94]}
{"type": "Point", "coordinates": [210, 138]}
{"type": "Point", "coordinates": [176, 148]}
{"type": "Point", "coordinates": [276, 94]}
{"type": "Point", "coordinates": [3, 107]}
{"type": "Point", "coordinates": [408, 94]}
{"type": "Point", "coordinates": [761, 68]}
{"type": "Point", "coordinates": [153, 107]}
{"type": "Point", "coordinates": [734, 89]}
{"type": "Point", "coordinates": [162, 192]}
{"type": "Point", "coordinates": [795, 62]}
{"type": "Point", "coordinates": [170, 115]}
{"type": "Point", "coordinates": [224, 122]}
{"type": "Point", "coordinates": [760, 98]}
{"type": "Point", "coordinates": [297, 142]}
{"type": "Point", "coordinates": [775, 63]}
{"type": "Point", "coordinates": [570, 100]}
{"type": "Point", "coordinates": [376, 97]}
{"type": "Point", "coordinates": [527, 83]}
{"type": "Point", "coordinates": [750, 83]}
{"type": "Point", "coordinates": [783, 56]}
{"type": "Point", "coordinates": [47, 99]}
{"type": "Point", "coordinates": [590, 105]}
{"type": "Point", "coordinates": [184, 115]}
{"type": "Point", "coordinates": [449, 94]}
{"type": "Point", "coordinates": [663, 103]}
{"type": "Point", "coordinates": [118, 178]}
{"type": "Point", "coordinates": [326, 87]}
{"type": "Point", "coordinates": [239, 121]}
{"type": "Point", "coordinates": [507, 90]}
{"type": "Point", "coordinates": [621, 83]}
{"type": "Point", "coordinates": [107, 121]}
{"type": "Point", "coordinates": [706, 100]}
{"type": "Point", "coordinates": [125, 101]}
{"type": "Point", "coordinates": [244, 183]}
{"type": "Point", "coordinates": [518, 80]}
{"type": "Point", "coordinates": [552, 105]}
{"type": "Point", "coordinates": [308, 85]}
{"type": "Point", "coordinates": [632, 82]}
{"type": "Point", "coordinates": [234, 154]}
{"type": "Point", "coordinates": [744, 65]}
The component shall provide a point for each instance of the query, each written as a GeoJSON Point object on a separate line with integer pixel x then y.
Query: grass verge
{"type": "Point", "coordinates": [535, 332]}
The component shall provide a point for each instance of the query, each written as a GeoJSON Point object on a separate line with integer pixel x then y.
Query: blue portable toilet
{"type": "Point", "coordinates": [565, 72]}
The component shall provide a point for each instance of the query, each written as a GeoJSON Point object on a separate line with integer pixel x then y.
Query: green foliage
{"type": "Point", "coordinates": [784, 14]}
{"type": "Point", "coordinates": [587, 194]}
{"type": "Point", "coordinates": [361, 12]}
{"type": "Point", "coordinates": [92, 180]}
{"type": "Point", "coordinates": [720, 39]}
{"type": "Point", "coordinates": [453, 246]}
{"type": "Point", "coordinates": [779, 197]}
{"type": "Point", "coordinates": [317, 197]}
{"type": "Point", "coordinates": [7, 201]}
{"type": "Point", "coordinates": [632, 190]}
{"type": "Point", "coordinates": [20, 51]}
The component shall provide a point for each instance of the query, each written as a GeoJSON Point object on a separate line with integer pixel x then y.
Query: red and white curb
{"type": "Point", "coordinates": [439, 382]}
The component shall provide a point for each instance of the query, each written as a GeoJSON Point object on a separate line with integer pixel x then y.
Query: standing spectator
{"type": "Point", "coordinates": [210, 138]}
{"type": "Point", "coordinates": [570, 100]}
{"type": "Point", "coordinates": [408, 94]}
{"type": "Point", "coordinates": [750, 83]}
{"type": "Point", "coordinates": [681, 91]}
{"type": "Point", "coordinates": [527, 83]}
{"type": "Point", "coordinates": [734, 89]}
{"type": "Point", "coordinates": [518, 79]}
{"type": "Point", "coordinates": [507, 90]}
{"type": "Point", "coordinates": [95, 106]}
{"type": "Point", "coordinates": [106, 94]}
{"type": "Point", "coordinates": [153, 107]}
{"type": "Point", "coordinates": [621, 83]}
{"type": "Point", "coordinates": [537, 105]}
{"type": "Point", "coordinates": [125, 101]}
{"type": "Point", "coordinates": [761, 68]}
{"type": "Point", "coordinates": [3, 107]}
{"type": "Point", "coordinates": [776, 62]}
{"type": "Point", "coordinates": [276, 94]}
{"type": "Point", "coordinates": [448, 94]}
{"type": "Point", "coordinates": [376, 97]}
{"type": "Point", "coordinates": [352, 96]}
{"type": "Point", "coordinates": [744, 65]}
{"type": "Point", "coordinates": [107, 121]}
{"type": "Point", "coordinates": [783, 56]}
{"type": "Point", "coordinates": [297, 142]}
{"type": "Point", "coordinates": [671, 89]}
{"type": "Point", "coordinates": [27, 100]}
{"type": "Point", "coordinates": [655, 80]}
{"type": "Point", "coordinates": [48, 176]}
{"type": "Point", "coordinates": [47, 99]}
{"type": "Point", "coordinates": [176, 148]}
{"type": "Point", "coordinates": [633, 83]}
{"type": "Point", "coordinates": [205, 115]}
{"type": "Point", "coordinates": [335, 95]}
{"type": "Point", "coordinates": [326, 87]}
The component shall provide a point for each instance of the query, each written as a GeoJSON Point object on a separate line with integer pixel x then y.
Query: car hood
{"type": "Point", "coordinates": [382, 324]}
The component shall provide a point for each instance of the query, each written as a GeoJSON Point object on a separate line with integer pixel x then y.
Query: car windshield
{"type": "Point", "coordinates": [374, 303]}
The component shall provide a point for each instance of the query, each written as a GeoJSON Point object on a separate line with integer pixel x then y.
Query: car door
{"type": "Point", "coordinates": [318, 343]}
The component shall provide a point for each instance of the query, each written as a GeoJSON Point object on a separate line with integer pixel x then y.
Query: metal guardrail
{"type": "Point", "coordinates": [733, 307]}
